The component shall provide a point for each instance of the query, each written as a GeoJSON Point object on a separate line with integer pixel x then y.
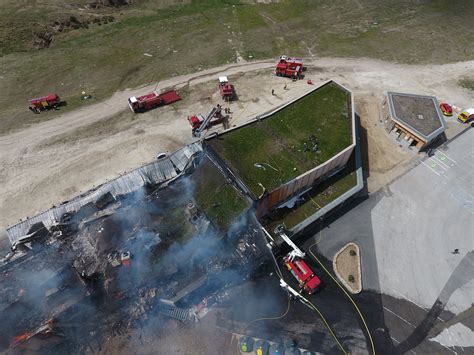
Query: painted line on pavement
{"type": "Point", "coordinates": [398, 316]}
{"type": "Point", "coordinates": [411, 301]}
{"type": "Point", "coordinates": [396, 341]}
{"type": "Point", "coordinates": [429, 167]}
{"type": "Point", "coordinates": [447, 156]}
{"type": "Point", "coordinates": [440, 163]}
{"type": "Point", "coordinates": [445, 159]}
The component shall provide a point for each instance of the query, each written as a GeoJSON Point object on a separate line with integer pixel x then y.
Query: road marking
{"type": "Point", "coordinates": [395, 340]}
{"type": "Point", "coordinates": [440, 163]}
{"type": "Point", "coordinates": [398, 316]}
{"type": "Point", "coordinates": [407, 322]}
{"type": "Point", "coordinates": [429, 167]}
{"type": "Point", "coordinates": [443, 157]}
{"type": "Point", "coordinates": [409, 300]}
{"type": "Point", "coordinates": [447, 156]}
{"type": "Point", "coordinates": [443, 163]}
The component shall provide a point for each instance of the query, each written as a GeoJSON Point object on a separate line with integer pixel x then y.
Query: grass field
{"type": "Point", "coordinates": [216, 197]}
{"type": "Point", "coordinates": [185, 36]}
{"type": "Point", "coordinates": [467, 84]}
{"type": "Point", "coordinates": [272, 151]}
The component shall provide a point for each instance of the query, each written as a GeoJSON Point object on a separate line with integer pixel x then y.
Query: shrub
{"type": "Point", "coordinates": [351, 278]}
{"type": "Point", "coordinates": [352, 252]}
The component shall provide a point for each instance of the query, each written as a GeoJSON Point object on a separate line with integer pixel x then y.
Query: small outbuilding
{"type": "Point", "coordinates": [415, 121]}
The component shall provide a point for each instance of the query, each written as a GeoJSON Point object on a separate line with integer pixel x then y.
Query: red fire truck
{"type": "Point", "coordinates": [307, 280]}
{"type": "Point", "coordinates": [226, 89]}
{"type": "Point", "coordinates": [213, 117]}
{"type": "Point", "coordinates": [290, 67]}
{"type": "Point", "coordinates": [44, 103]}
{"type": "Point", "coordinates": [152, 100]}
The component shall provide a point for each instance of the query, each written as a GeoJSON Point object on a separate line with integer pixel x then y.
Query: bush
{"type": "Point", "coordinates": [351, 278]}
{"type": "Point", "coordinates": [352, 252]}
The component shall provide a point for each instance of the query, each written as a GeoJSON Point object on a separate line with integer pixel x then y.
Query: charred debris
{"type": "Point", "coordinates": [114, 263]}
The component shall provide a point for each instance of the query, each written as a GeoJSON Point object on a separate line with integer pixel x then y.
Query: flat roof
{"type": "Point", "coordinates": [419, 113]}
{"type": "Point", "coordinates": [289, 141]}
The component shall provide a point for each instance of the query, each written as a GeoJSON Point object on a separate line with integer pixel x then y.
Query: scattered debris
{"type": "Point", "coordinates": [134, 256]}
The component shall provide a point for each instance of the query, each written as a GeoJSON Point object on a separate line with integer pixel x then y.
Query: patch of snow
{"type": "Point", "coordinates": [456, 335]}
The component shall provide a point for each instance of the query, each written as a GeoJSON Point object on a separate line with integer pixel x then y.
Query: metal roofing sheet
{"type": "Point", "coordinates": [154, 172]}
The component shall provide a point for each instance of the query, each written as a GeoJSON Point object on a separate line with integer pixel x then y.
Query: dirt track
{"type": "Point", "coordinates": [54, 160]}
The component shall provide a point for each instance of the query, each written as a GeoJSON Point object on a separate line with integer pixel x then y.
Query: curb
{"type": "Point", "coordinates": [341, 279]}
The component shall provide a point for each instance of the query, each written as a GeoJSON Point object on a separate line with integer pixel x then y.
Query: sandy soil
{"type": "Point", "coordinates": [53, 161]}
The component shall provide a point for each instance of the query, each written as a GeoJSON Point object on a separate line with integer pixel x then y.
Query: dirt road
{"type": "Point", "coordinates": [54, 160]}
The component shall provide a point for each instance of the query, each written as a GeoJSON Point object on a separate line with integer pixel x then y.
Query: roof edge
{"type": "Point", "coordinates": [393, 115]}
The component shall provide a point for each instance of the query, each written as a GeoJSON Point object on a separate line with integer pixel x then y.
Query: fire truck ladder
{"type": "Point", "coordinates": [197, 132]}
{"type": "Point", "coordinates": [296, 252]}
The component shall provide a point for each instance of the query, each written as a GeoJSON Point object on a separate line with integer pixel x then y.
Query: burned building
{"type": "Point", "coordinates": [171, 247]}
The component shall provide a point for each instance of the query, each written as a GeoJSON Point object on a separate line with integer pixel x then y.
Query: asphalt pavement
{"type": "Point", "coordinates": [408, 232]}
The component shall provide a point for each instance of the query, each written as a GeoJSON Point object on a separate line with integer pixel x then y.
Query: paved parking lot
{"type": "Point", "coordinates": [407, 232]}
{"type": "Point", "coordinates": [428, 213]}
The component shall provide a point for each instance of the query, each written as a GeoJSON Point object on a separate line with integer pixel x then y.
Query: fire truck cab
{"type": "Point", "coordinates": [290, 67]}
{"type": "Point", "coordinates": [226, 89]}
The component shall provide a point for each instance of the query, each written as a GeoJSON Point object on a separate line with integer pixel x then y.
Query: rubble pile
{"type": "Point", "coordinates": [111, 267]}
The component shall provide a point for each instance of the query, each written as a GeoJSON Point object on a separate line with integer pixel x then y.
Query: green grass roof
{"type": "Point", "coordinates": [277, 143]}
{"type": "Point", "coordinates": [219, 200]}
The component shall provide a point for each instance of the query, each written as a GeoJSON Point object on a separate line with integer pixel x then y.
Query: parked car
{"type": "Point", "coordinates": [446, 109]}
{"type": "Point", "coordinates": [466, 116]}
